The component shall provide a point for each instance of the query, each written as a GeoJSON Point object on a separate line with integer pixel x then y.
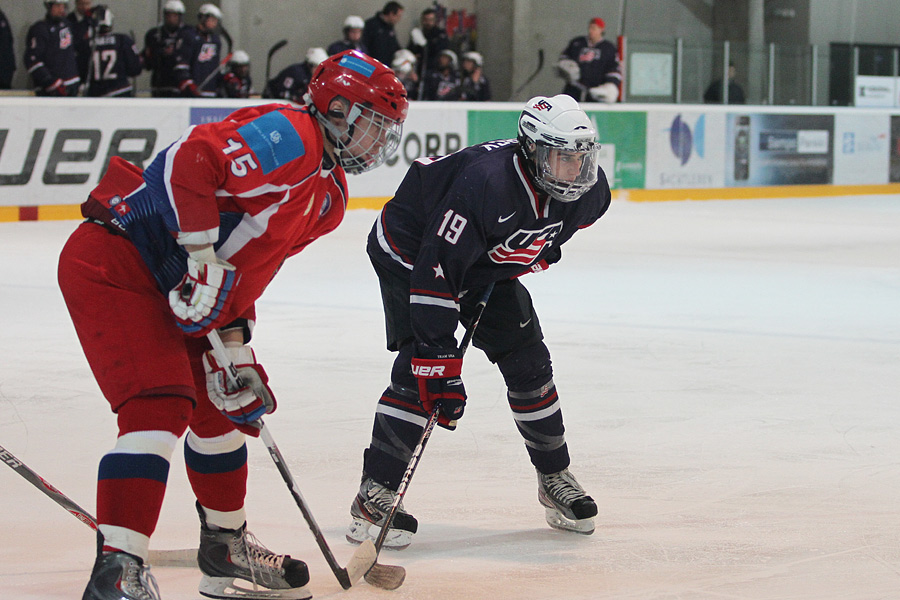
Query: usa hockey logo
{"type": "Point", "coordinates": [524, 246]}
{"type": "Point", "coordinates": [208, 52]}
{"type": "Point", "coordinates": [542, 105]}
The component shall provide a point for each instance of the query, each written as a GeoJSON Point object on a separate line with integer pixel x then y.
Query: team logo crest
{"type": "Point", "coordinates": [524, 246]}
{"type": "Point", "coordinates": [542, 105]}
{"type": "Point", "coordinates": [208, 52]}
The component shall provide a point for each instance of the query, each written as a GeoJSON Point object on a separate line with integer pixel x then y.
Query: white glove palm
{"type": "Point", "coordinates": [605, 92]}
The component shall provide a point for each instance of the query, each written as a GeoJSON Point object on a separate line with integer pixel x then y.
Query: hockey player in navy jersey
{"type": "Point", "coordinates": [114, 59]}
{"type": "Point", "coordinates": [160, 44]}
{"type": "Point", "coordinates": [50, 53]}
{"type": "Point", "coordinates": [197, 55]}
{"type": "Point", "coordinates": [486, 214]}
{"type": "Point", "coordinates": [186, 246]}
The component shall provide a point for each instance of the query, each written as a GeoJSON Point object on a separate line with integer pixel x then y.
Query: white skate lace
{"type": "Point", "coordinates": [382, 497]}
{"type": "Point", "coordinates": [261, 560]}
{"type": "Point", "coordinates": [140, 583]}
{"type": "Point", "coordinates": [564, 489]}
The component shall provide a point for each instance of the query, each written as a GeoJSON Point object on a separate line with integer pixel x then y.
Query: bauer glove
{"type": "Point", "coordinates": [438, 372]}
{"type": "Point", "coordinates": [247, 404]}
{"type": "Point", "coordinates": [203, 295]}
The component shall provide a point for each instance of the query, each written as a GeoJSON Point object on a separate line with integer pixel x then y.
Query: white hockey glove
{"type": "Point", "coordinates": [247, 404]}
{"type": "Point", "coordinates": [203, 295]}
{"type": "Point", "coordinates": [605, 92]}
{"type": "Point", "coordinates": [417, 37]}
{"type": "Point", "coordinates": [568, 70]}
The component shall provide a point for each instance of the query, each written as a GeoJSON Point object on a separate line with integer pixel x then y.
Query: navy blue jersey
{"type": "Point", "coordinates": [344, 45]}
{"type": "Point", "coordinates": [50, 57]}
{"type": "Point", "coordinates": [159, 54]}
{"type": "Point", "coordinates": [468, 219]}
{"type": "Point", "coordinates": [114, 60]}
{"type": "Point", "coordinates": [82, 30]}
{"type": "Point", "coordinates": [197, 62]}
{"type": "Point", "coordinates": [598, 64]}
{"type": "Point", "coordinates": [290, 84]}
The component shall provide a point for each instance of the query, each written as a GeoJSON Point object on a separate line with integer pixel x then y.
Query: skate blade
{"type": "Point", "coordinates": [361, 531]}
{"type": "Point", "coordinates": [557, 520]}
{"type": "Point", "coordinates": [223, 588]}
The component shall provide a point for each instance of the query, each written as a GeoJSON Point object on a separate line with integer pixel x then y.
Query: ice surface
{"type": "Point", "coordinates": [729, 374]}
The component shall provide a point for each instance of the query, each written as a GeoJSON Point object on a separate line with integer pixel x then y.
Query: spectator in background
{"type": "Point", "coordinates": [292, 81]}
{"type": "Point", "coordinates": [50, 53]}
{"type": "Point", "coordinates": [352, 40]}
{"type": "Point", "coordinates": [82, 25]}
{"type": "Point", "coordinates": [7, 54]}
{"type": "Point", "coordinates": [379, 35]}
{"type": "Point", "coordinates": [404, 67]}
{"type": "Point", "coordinates": [197, 58]}
{"type": "Point", "coordinates": [115, 59]}
{"type": "Point", "coordinates": [159, 50]}
{"type": "Point", "coordinates": [236, 82]}
{"type": "Point", "coordinates": [427, 42]}
{"type": "Point", "coordinates": [713, 94]}
{"type": "Point", "coordinates": [443, 83]}
{"type": "Point", "coordinates": [474, 86]}
{"type": "Point", "coordinates": [590, 66]}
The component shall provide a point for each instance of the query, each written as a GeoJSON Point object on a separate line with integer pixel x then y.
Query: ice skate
{"type": "Point", "coordinates": [567, 506]}
{"type": "Point", "coordinates": [227, 555]}
{"type": "Point", "coordinates": [121, 576]}
{"type": "Point", "coordinates": [369, 510]}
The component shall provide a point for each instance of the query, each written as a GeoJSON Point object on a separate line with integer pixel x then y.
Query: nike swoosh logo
{"type": "Point", "coordinates": [523, 325]}
{"type": "Point", "coordinates": [505, 219]}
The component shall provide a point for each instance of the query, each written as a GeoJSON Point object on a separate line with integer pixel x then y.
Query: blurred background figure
{"type": "Point", "coordinates": [427, 42]}
{"type": "Point", "coordinates": [443, 83]}
{"type": "Point", "coordinates": [114, 58]}
{"type": "Point", "coordinates": [590, 66]}
{"type": "Point", "coordinates": [713, 94]}
{"type": "Point", "coordinates": [7, 54]}
{"type": "Point", "coordinates": [82, 26]}
{"type": "Point", "coordinates": [159, 50]}
{"type": "Point", "coordinates": [379, 36]}
{"type": "Point", "coordinates": [352, 40]}
{"type": "Point", "coordinates": [197, 56]}
{"type": "Point", "coordinates": [404, 67]}
{"type": "Point", "coordinates": [292, 81]}
{"type": "Point", "coordinates": [474, 86]}
{"type": "Point", "coordinates": [50, 53]}
{"type": "Point", "coordinates": [236, 82]}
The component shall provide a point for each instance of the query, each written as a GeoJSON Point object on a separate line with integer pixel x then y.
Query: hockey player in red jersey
{"type": "Point", "coordinates": [187, 246]}
{"type": "Point", "coordinates": [486, 214]}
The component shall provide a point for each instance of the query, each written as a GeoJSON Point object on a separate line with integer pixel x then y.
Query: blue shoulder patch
{"type": "Point", "coordinates": [273, 140]}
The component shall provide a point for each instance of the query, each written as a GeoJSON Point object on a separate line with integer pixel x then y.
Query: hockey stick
{"type": "Point", "coordinates": [162, 558]}
{"type": "Point", "coordinates": [540, 66]}
{"type": "Point", "coordinates": [364, 557]}
{"type": "Point", "coordinates": [275, 48]}
{"type": "Point", "coordinates": [378, 575]}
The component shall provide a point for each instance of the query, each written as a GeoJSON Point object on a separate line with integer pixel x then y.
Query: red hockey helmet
{"type": "Point", "coordinates": [377, 107]}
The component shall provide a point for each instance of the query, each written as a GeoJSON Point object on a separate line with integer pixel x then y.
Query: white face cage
{"type": "Point", "coordinates": [566, 174]}
{"type": "Point", "coordinates": [370, 139]}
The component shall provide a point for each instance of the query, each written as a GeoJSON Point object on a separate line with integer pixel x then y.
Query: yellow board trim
{"type": "Point", "coordinates": [66, 212]}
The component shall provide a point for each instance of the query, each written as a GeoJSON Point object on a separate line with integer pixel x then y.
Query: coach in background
{"type": "Point", "coordinates": [7, 54]}
{"type": "Point", "coordinates": [378, 34]}
{"type": "Point", "coordinates": [590, 66]}
{"type": "Point", "coordinates": [50, 54]}
{"type": "Point", "coordinates": [82, 24]}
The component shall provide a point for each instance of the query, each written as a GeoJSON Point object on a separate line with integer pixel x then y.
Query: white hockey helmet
{"type": "Point", "coordinates": [239, 57]}
{"type": "Point", "coordinates": [475, 57]}
{"type": "Point", "coordinates": [559, 142]}
{"type": "Point", "coordinates": [454, 62]}
{"type": "Point", "coordinates": [103, 17]}
{"type": "Point", "coordinates": [174, 6]}
{"type": "Point", "coordinates": [315, 56]}
{"type": "Point", "coordinates": [354, 22]}
{"type": "Point", "coordinates": [48, 3]}
{"type": "Point", "coordinates": [209, 10]}
{"type": "Point", "coordinates": [403, 62]}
